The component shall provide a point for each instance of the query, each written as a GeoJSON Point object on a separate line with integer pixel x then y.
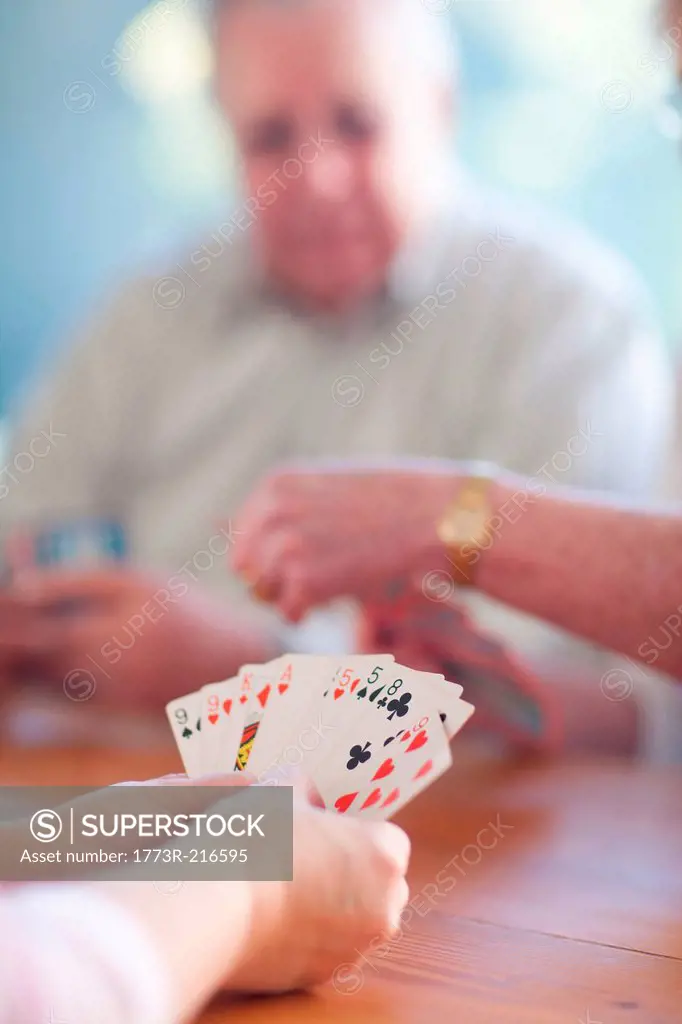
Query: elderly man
{"type": "Point", "coordinates": [365, 301]}
{"type": "Point", "coordinates": [456, 535]}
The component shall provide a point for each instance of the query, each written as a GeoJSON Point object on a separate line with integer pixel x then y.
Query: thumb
{"type": "Point", "coordinates": [303, 785]}
{"type": "Point", "coordinates": [224, 779]}
{"type": "Point", "coordinates": [310, 792]}
{"type": "Point", "coordinates": [394, 842]}
{"type": "Point", "coordinates": [216, 779]}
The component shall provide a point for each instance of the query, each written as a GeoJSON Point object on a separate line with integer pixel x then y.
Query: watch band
{"type": "Point", "coordinates": [463, 526]}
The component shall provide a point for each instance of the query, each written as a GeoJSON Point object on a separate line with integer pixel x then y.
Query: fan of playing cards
{"type": "Point", "coordinates": [369, 733]}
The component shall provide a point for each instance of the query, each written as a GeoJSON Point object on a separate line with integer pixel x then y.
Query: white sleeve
{"type": "Point", "coordinates": [68, 446]}
{"type": "Point", "coordinates": [71, 956]}
{"type": "Point", "coordinates": [591, 400]}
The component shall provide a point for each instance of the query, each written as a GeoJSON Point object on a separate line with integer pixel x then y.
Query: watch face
{"type": "Point", "coordinates": [462, 526]}
{"type": "Point", "coordinates": [466, 523]}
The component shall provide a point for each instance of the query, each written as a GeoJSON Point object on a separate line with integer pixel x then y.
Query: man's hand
{"type": "Point", "coordinates": [306, 537]}
{"type": "Point", "coordinates": [123, 636]}
{"type": "Point", "coordinates": [348, 890]}
{"type": "Point", "coordinates": [511, 700]}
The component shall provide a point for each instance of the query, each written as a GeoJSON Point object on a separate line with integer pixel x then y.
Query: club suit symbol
{"type": "Point", "coordinates": [389, 739]}
{"type": "Point", "coordinates": [187, 732]}
{"type": "Point", "coordinates": [399, 706]}
{"type": "Point", "coordinates": [358, 755]}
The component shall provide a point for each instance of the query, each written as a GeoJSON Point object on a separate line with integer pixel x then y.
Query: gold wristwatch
{"type": "Point", "coordinates": [463, 528]}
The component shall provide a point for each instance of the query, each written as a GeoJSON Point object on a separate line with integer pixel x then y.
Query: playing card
{"type": "Point", "coordinates": [377, 786]}
{"type": "Point", "coordinates": [353, 679]}
{"type": "Point", "coordinates": [222, 724]}
{"type": "Point", "coordinates": [284, 734]}
{"type": "Point", "coordinates": [235, 707]}
{"type": "Point", "coordinates": [374, 711]}
{"type": "Point", "coordinates": [357, 689]}
{"type": "Point", "coordinates": [185, 717]}
{"type": "Point", "coordinates": [446, 697]}
{"type": "Point", "coordinates": [397, 693]}
{"type": "Point", "coordinates": [371, 734]}
{"type": "Point", "coordinates": [256, 685]}
{"type": "Point", "coordinates": [381, 728]}
{"type": "Point", "coordinates": [421, 755]}
{"type": "Point", "coordinates": [267, 685]}
{"type": "Point", "coordinates": [356, 675]}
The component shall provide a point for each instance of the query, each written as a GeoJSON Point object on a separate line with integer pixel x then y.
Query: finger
{"type": "Point", "coordinates": [398, 898]}
{"type": "Point", "coordinates": [265, 567]}
{"type": "Point", "coordinates": [163, 780]}
{"type": "Point", "coordinates": [290, 775]}
{"type": "Point", "coordinates": [280, 583]}
{"type": "Point", "coordinates": [394, 842]}
{"type": "Point", "coordinates": [260, 518]}
{"type": "Point", "coordinates": [265, 591]}
{"type": "Point", "coordinates": [291, 604]}
{"type": "Point", "coordinates": [282, 775]}
{"type": "Point", "coordinates": [311, 793]}
{"type": "Point", "coordinates": [305, 588]}
{"type": "Point", "coordinates": [239, 556]}
{"type": "Point", "coordinates": [223, 779]}
{"type": "Point", "coordinates": [331, 571]}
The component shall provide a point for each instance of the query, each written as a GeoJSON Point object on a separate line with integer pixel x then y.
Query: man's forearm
{"type": "Point", "coordinates": [610, 574]}
{"type": "Point", "coordinates": [199, 935]}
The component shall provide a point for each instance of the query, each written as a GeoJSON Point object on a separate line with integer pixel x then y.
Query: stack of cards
{"type": "Point", "coordinates": [371, 734]}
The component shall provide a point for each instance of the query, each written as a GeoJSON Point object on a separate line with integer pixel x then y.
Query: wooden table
{"type": "Point", "coordinates": [541, 894]}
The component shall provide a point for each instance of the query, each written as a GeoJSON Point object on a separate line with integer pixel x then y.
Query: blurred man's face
{"type": "Point", "coordinates": [340, 137]}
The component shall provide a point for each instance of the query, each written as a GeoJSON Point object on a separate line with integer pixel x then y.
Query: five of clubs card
{"type": "Point", "coordinates": [369, 733]}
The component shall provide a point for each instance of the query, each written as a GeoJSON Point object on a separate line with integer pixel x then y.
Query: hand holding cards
{"type": "Point", "coordinates": [369, 733]}
{"type": "Point", "coordinates": [84, 543]}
